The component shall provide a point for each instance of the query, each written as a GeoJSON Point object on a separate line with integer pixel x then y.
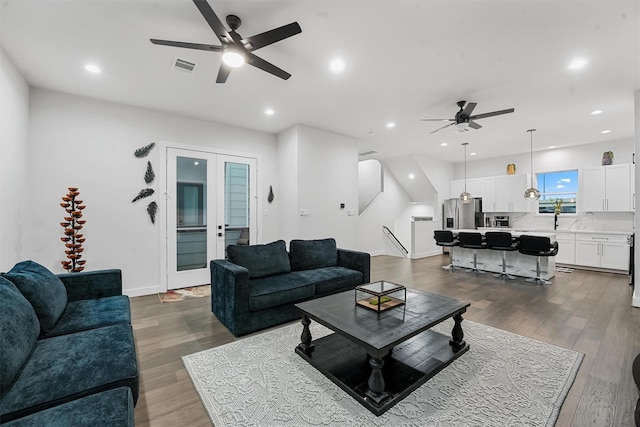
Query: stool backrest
{"type": "Point", "coordinates": [534, 243]}
{"type": "Point", "coordinates": [498, 239]}
{"type": "Point", "coordinates": [443, 236]}
{"type": "Point", "coordinates": [467, 238]}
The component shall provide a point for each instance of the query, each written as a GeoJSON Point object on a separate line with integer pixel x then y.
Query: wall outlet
{"type": "Point", "coordinates": [304, 212]}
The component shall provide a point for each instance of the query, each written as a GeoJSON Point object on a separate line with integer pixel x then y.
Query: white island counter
{"type": "Point", "coordinates": [491, 260]}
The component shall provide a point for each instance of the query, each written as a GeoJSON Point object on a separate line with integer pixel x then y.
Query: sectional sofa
{"type": "Point", "coordinates": [68, 353]}
{"type": "Point", "coordinates": [257, 286]}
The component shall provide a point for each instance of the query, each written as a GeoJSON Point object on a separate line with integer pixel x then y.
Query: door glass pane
{"type": "Point", "coordinates": [236, 203]}
{"type": "Point", "coordinates": [191, 205]}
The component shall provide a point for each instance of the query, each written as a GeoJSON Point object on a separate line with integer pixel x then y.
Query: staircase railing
{"type": "Point", "coordinates": [395, 240]}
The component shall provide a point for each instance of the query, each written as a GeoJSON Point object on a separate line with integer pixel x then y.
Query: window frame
{"type": "Point", "coordinates": [557, 194]}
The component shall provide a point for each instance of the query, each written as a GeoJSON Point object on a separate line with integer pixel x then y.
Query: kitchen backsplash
{"type": "Point", "coordinates": [597, 221]}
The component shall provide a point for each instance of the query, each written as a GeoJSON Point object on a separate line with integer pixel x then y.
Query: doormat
{"type": "Point", "coordinates": [564, 269]}
{"type": "Point", "coordinates": [185, 293]}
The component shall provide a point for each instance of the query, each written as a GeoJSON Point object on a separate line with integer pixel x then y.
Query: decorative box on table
{"type": "Point", "coordinates": [380, 296]}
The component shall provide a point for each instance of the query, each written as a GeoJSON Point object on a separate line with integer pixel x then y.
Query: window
{"type": "Point", "coordinates": [558, 186]}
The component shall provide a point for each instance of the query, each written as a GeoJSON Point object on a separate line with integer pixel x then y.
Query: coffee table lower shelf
{"type": "Point", "coordinates": [407, 367]}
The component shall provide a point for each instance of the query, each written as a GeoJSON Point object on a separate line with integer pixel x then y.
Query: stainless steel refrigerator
{"type": "Point", "coordinates": [458, 215]}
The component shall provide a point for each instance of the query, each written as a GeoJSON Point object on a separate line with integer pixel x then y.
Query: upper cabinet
{"type": "Point", "coordinates": [499, 193]}
{"type": "Point", "coordinates": [509, 196]}
{"type": "Point", "coordinates": [606, 188]}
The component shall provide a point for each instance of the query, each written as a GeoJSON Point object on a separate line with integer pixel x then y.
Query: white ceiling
{"type": "Point", "coordinates": [405, 60]}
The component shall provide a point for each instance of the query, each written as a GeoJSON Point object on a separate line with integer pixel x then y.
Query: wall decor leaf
{"type": "Point", "coordinates": [144, 151]}
{"type": "Point", "coordinates": [149, 175]}
{"type": "Point", "coordinates": [145, 192]}
{"type": "Point", "coordinates": [152, 208]}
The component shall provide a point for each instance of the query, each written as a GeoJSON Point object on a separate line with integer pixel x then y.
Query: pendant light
{"type": "Point", "coordinates": [465, 197]}
{"type": "Point", "coordinates": [532, 193]}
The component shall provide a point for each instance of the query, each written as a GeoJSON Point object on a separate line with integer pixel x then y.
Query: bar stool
{"type": "Point", "coordinates": [471, 240]}
{"type": "Point", "coordinates": [504, 242]}
{"type": "Point", "coordinates": [539, 247]}
{"type": "Point", "coordinates": [446, 239]}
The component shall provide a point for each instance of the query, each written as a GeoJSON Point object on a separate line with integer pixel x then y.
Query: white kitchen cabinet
{"type": "Point", "coordinates": [473, 187]}
{"type": "Point", "coordinates": [510, 193]}
{"type": "Point", "coordinates": [606, 188]}
{"type": "Point", "coordinates": [602, 250]}
{"type": "Point", "coordinates": [566, 248]}
{"type": "Point", "coordinates": [488, 193]}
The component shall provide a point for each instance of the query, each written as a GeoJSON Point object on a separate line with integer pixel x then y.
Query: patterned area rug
{"type": "Point", "coordinates": [182, 294]}
{"type": "Point", "coordinates": [503, 380]}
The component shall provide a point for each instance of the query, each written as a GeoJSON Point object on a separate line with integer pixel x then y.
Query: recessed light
{"type": "Point", "coordinates": [472, 154]}
{"type": "Point", "coordinates": [269, 112]}
{"type": "Point", "coordinates": [411, 176]}
{"type": "Point", "coordinates": [444, 144]}
{"type": "Point", "coordinates": [577, 63]}
{"type": "Point", "coordinates": [391, 125]}
{"type": "Point", "coordinates": [92, 68]}
{"type": "Point", "coordinates": [196, 163]}
{"type": "Point", "coordinates": [551, 147]}
{"type": "Point", "coordinates": [596, 112]}
{"type": "Point", "coordinates": [606, 131]}
{"type": "Point", "coordinates": [337, 65]}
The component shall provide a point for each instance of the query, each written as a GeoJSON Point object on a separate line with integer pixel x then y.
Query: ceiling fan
{"type": "Point", "coordinates": [236, 50]}
{"type": "Point", "coordinates": [463, 118]}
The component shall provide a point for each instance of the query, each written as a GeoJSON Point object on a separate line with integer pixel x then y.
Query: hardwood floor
{"type": "Point", "coordinates": [589, 312]}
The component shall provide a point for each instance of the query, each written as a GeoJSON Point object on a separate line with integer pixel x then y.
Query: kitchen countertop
{"type": "Point", "coordinates": [549, 230]}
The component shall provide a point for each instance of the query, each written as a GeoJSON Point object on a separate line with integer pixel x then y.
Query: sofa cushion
{"type": "Point", "coordinates": [108, 408]}
{"type": "Point", "coordinates": [277, 290]}
{"type": "Point", "coordinates": [42, 289]}
{"type": "Point", "coordinates": [261, 260]}
{"type": "Point", "coordinates": [67, 367]}
{"type": "Point", "coordinates": [19, 329]}
{"type": "Point", "coordinates": [309, 254]}
{"type": "Point", "coordinates": [91, 314]}
{"type": "Point", "coordinates": [330, 280]}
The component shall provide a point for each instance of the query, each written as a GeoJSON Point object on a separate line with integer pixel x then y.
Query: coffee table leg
{"type": "Point", "coordinates": [457, 342]}
{"type": "Point", "coordinates": [305, 338]}
{"type": "Point", "coordinates": [376, 380]}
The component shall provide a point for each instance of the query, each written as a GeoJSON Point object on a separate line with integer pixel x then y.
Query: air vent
{"type": "Point", "coordinates": [182, 65]}
{"type": "Point", "coordinates": [367, 153]}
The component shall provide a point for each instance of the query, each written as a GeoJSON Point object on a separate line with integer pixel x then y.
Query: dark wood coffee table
{"type": "Point", "coordinates": [380, 358]}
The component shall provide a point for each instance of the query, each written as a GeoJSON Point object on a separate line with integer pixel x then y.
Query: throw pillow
{"type": "Point", "coordinates": [309, 254]}
{"type": "Point", "coordinates": [261, 260]}
{"type": "Point", "coordinates": [19, 329]}
{"type": "Point", "coordinates": [43, 289]}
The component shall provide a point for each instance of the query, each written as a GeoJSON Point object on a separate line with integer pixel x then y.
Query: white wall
{"type": "Point", "coordinates": [327, 177]}
{"type": "Point", "coordinates": [75, 141]}
{"type": "Point", "coordinates": [286, 190]}
{"type": "Point", "coordinates": [384, 210]}
{"type": "Point", "coordinates": [14, 164]}
{"type": "Point", "coordinates": [575, 157]}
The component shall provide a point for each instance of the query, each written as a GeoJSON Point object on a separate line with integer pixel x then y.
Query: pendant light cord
{"type": "Point", "coordinates": [465, 166]}
{"type": "Point", "coordinates": [531, 134]}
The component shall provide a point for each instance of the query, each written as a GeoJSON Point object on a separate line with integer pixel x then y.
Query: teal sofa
{"type": "Point", "coordinates": [67, 344]}
{"type": "Point", "coordinates": [257, 286]}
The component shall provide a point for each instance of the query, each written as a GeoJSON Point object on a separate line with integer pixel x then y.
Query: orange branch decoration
{"type": "Point", "coordinates": [72, 225]}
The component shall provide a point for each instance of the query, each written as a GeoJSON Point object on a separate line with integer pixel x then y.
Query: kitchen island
{"type": "Point", "coordinates": [491, 260]}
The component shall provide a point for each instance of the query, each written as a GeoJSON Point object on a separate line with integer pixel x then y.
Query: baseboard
{"type": "Point", "coordinates": [426, 254]}
{"type": "Point", "coordinates": [377, 253]}
{"type": "Point", "coordinates": [140, 292]}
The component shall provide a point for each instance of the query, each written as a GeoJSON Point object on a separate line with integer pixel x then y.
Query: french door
{"type": "Point", "coordinates": [211, 203]}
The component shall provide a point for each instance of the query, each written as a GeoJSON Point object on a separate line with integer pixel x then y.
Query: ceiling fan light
{"type": "Point", "coordinates": [233, 59]}
{"type": "Point", "coordinates": [532, 194]}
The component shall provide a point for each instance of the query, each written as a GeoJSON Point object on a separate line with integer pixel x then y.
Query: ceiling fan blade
{"type": "Point", "coordinates": [213, 20]}
{"type": "Point", "coordinates": [437, 120]}
{"type": "Point", "coordinates": [223, 73]}
{"type": "Point", "coordinates": [199, 46]}
{"type": "Point", "coordinates": [474, 125]}
{"type": "Point", "coordinates": [493, 113]}
{"type": "Point", "coordinates": [267, 66]}
{"type": "Point", "coordinates": [445, 126]}
{"type": "Point", "coordinates": [269, 37]}
{"type": "Point", "coordinates": [469, 108]}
